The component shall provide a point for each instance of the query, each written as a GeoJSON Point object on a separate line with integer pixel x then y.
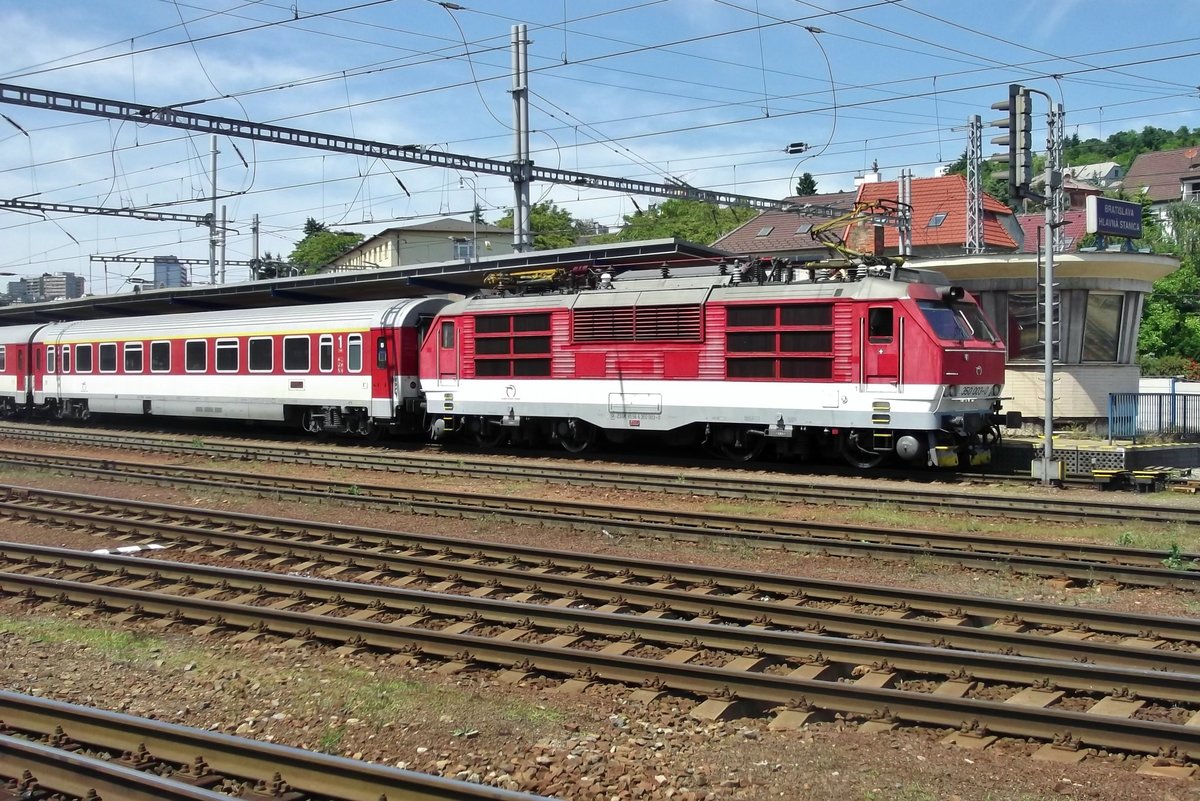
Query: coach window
{"type": "Point", "coordinates": [66, 359]}
{"type": "Point", "coordinates": [879, 324]}
{"type": "Point", "coordinates": [259, 355]}
{"type": "Point", "coordinates": [160, 357]}
{"type": "Point", "coordinates": [37, 355]}
{"type": "Point", "coordinates": [227, 355]}
{"type": "Point", "coordinates": [296, 357]}
{"type": "Point", "coordinates": [381, 352]}
{"type": "Point", "coordinates": [83, 358]}
{"type": "Point", "coordinates": [50, 360]}
{"type": "Point", "coordinates": [325, 354]}
{"type": "Point", "coordinates": [133, 357]}
{"type": "Point", "coordinates": [3, 358]}
{"type": "Point", "coordinates": [195, 356]}
{"type": "Point", "coordinates": [108, 357]}
{"type": "Point", "coordinates": [354, 353]}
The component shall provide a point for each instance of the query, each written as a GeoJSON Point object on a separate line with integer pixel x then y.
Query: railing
{"type": "Point", "coordinates": [1132, 415]}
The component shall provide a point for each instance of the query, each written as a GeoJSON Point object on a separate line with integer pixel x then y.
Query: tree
{"type": "Point", "coordinates": [1171, 317]}
{"type": "Point", "coordinates": [271, 267]}
{"type": "Point", "coordinates": [552, 226]}
{"type": "Point", "coordinates": [807, 185]}
{"type": "Point", "coordinates": [321, 246]}
{"type": "Point", "coordinates": [683, 219]}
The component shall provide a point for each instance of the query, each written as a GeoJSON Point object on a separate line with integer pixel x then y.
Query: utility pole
{"type": "Point", "coordinates": [904, 225]}
{"type": "Point", "coordinates": [974, 243]}
{"type": "Point", "coordinates": [1056, 196]}
{"type": "Point", "coordinates": [212, 225]}
{"type": "Point", "coordinates": [254, 260]}
{"type": "Point", "coordinates": [522, 166]}
{"type": "Point", "coordinates": [224, 237]}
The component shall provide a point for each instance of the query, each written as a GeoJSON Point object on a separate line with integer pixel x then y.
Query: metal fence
{"type": "Point", "coordinates": [1132, 414]}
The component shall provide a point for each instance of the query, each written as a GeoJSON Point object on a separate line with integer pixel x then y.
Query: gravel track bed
{"type": "Point", "coordinates": [599, 745]}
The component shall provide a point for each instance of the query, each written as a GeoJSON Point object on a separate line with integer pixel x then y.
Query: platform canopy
{"type": "Point", "coordinates": [450, 277]}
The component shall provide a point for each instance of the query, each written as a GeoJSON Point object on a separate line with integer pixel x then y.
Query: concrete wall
{"type": "Point", "coordinates": [1163, 385]}
{"type": "Point", "coordinates": [1080, 390]}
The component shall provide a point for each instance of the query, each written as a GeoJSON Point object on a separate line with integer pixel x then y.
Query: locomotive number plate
{"type": "Point", "coordinates": [975, 391]}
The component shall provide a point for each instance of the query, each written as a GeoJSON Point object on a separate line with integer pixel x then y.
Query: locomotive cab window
{"type": "Point", "coordinates": [354, 353]}
{"type": "Point", "coordinates": [195, 356]}
{"type": "Point", "coordinates": [880, 324]}
{"type": "Point", "coordinates": [50, 360]}
{"type": "Point", "coordinates": [227, 355]}
{"type": "Point", "coordinates": [160, 357]}
{"type": "Point", "coordinates": [325, 354]}
{"type": "Point", "coordinates": [447, 334]}
{"type": "Point", "coordinates": [259, 355]}
{"type": "Point", "coordinates": [133, 357]}
{"type": "Point", "coordinates": [83, 358]}
{"type": "Point", "coordinates": [296, 356]}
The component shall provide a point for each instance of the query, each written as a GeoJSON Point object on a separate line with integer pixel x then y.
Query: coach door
{"type": "Point", "coordinates": [881, 347]}
{"type": "Point", "coordinates": [447, 353]}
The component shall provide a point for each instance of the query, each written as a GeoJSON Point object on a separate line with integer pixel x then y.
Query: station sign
{"type": "Point", "coordinates": [1110, 217]}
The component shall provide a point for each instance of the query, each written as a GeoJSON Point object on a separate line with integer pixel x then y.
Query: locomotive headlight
{"type": "Point", "coordinates": [995, 389]}
{"type": "Point", "coordinates": [951, 391]}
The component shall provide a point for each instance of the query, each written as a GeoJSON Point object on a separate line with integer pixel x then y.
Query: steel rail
{"type": "Point", "coordinates": [780, 488]}
{"type": "Point", "coordinates": [765, 689]}
{"type": "Point", "coordinates": [58, 771]}
{"type": "Point", "coordinates": [312, 772]}
{"type": "Point", "coordinates": [1073, 561]}
{"type": "Point", "coordinates": [757, 609]}
{"type": "Point", "coordinates": [295, 542]}
{"type": "Point", "coordinates": [336, 598]}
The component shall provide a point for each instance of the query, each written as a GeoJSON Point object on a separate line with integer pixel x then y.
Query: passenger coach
{"type": "Point", "coordinates": [345, 367]}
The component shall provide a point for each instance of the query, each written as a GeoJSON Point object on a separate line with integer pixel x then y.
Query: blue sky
{"type": "Point", "coordinates": [705, 91]}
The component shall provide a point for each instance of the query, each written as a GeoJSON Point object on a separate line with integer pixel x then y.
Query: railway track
{"type": "Point", "coordinates": [1047, 700]}
{"type": "Point", "coordinates": [119, 756]}
{"type": "Point", "coordinates": [777, 488]}
{"type": "Point", "coordinates": [1071, 562]}
{"type": "Point", "coordinates": [486, 569]}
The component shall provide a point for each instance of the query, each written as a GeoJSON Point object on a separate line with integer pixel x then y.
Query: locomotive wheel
{"type": "Point", "coordinates": [488, 434]}
{"type": "Point", "coordinates": [858, 456]}
{"type": "Point", "coordinates": [576, 436]}
{"type": "Point", "coordinates": [739, 444]}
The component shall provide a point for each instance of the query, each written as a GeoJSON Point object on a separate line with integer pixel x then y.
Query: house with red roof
{"type": "Point", "coordinates": [939, 220]}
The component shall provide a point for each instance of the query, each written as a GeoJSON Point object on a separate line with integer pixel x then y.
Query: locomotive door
{"type": "Point", "coordinates": [881, 352]}
{"type": "Point", "coordinates": [447, 354]}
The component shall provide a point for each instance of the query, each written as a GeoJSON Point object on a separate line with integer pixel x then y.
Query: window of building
{"type": "Point", "coordinates": [260, 355]}
{"type": "Point", "coordinates": [354, 353]}
{"type": "Point", "coordinates": [195, 356]}
{"type": "Point", "coordinates": [133, 357]}
{"type": "Point", "coordinates": [936, 220]}
{"type": "Point", "coordinates": [50, 361]}
{"type": "Point", "coordinates": [227, 355]}
{"type": "Point", "coordinates": [804, 229]}
{"type": "Point", "coordinates": [296, 354]}
{"type": "Point", "coordinates": [765, 230]}
{"type": "Point", "coordinates": [512, 344]}
{"type": "Point", "coordinates": [1102, 327]}
{"type": "Point", "coordinates": [160, 357]}
{"type": "Point", "coordinates": [464, 249]}
{"type": "Point", "coordinates": [1024, 335]}
{"type": "Point", "coordinates": [108, 357]}
{"type": "Point", "coordinates": [325, 354]}
{"type": "Point", "coordinates": [83, 358]}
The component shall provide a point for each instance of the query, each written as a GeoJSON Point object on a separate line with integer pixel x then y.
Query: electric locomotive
{"type": "Point", "coordinates": [865, 362]}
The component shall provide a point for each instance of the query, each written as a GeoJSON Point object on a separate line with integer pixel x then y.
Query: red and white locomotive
{"type": "Point", "coordinates": [861, 365]}
{"type": "Point", "coordinates": [886, 361]}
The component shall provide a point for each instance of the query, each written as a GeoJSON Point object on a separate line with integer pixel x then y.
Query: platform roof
{"type": "Point", "coordinates": [453, 277]}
